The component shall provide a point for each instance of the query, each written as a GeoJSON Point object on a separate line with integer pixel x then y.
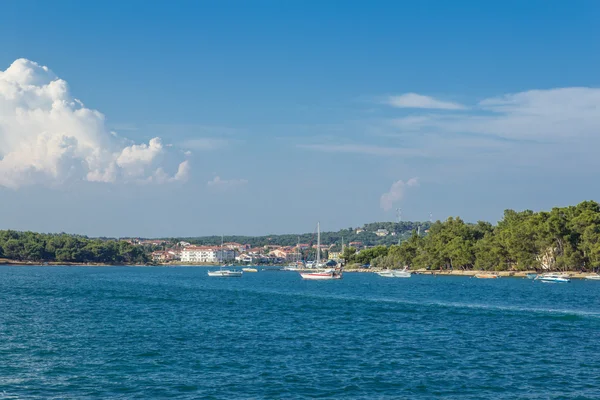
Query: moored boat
{"type": "Point", "coordinates": [554, 278]}
{"type": "Point", "coordinates": [249, 269]}
{"type": "Point", "coordinates": [225, 273]}
{"type": "Point", "coordinates": [593, 277]}
{"type": "Point", "coordinates": [392, 273]}
{"type": "Point", "coordinates": [321, 275]}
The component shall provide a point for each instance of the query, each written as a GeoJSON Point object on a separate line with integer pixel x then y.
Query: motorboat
{"type": "Point", "coordinates": [249, 269]}
{"type": "Point", "coordinates": [554, 278]}
{"type": "Point", "coordinates": [225, 273]}
{"type": "Point", "coordinates": [393, 273]}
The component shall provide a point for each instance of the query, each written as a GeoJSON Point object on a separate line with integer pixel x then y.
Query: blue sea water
{"type": "Point", "coordinates": [173, 332]}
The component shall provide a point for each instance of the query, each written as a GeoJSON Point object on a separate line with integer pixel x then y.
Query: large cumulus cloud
{"type": "Point", "coordinates": [47, 136]}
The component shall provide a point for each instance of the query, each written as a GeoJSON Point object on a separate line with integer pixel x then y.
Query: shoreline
{"type": "Point", "coordinates": [472, 273]}
{"type": "Point", "coordinates": [468, 273]}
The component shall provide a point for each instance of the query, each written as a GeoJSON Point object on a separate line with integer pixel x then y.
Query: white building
{"type": "Point", "coordinates": [206, 254]}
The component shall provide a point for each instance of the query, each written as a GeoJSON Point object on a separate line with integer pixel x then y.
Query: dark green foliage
{"type": "Point", "coordinates": [37, 247]}
{"type": "Point", "coordinates": [563, 239]}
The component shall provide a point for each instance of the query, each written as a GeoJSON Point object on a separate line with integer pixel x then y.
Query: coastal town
{"type": "Point", "coordinates": [185, 252]}
{"type": "Point", "coordinates": [276, 249]}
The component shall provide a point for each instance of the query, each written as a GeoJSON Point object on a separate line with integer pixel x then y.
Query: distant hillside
{"type": "Point", "coordinates": [397, 232]}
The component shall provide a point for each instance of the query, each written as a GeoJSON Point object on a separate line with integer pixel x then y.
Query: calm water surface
{"type": "Point", "coordinates": [125, 332]}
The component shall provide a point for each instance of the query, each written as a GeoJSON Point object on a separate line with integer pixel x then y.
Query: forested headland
{"type": "Point", "coordinates": [565, 238]}
{"type": "Point", "coordinates": [39, 247]}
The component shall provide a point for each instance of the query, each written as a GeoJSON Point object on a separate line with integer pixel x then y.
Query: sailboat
{"type": "Point", "coordinates": [321, 275]}
{"type": "Point", "coordinates": [225, 273]}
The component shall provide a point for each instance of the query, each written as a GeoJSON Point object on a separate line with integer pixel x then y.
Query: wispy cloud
{"type": "Point", "coordinates": [414, 100]}
{"type": "Point", "coordinates": [396, 193]}
{"type": "Point", "coordinates": [543, 115]}
{"type": "Point", "coordinates": [223, 184]}
{"type": "Point", "coordinates": [362, 149]}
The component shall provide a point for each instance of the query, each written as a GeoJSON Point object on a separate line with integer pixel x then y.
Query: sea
{"type": "Point", "coordinates": [175, 333]}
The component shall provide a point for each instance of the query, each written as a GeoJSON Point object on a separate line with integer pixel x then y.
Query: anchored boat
{"type": "Point", "coordinates": [225, 273]}
{"type": "Point", "coordinates": [391, 273]}
{"type": "Point", "coordinates": [321, 275]}
{"type": "Point", "coordinates": [554, 278]}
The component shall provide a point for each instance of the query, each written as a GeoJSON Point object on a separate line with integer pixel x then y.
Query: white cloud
{"type": "Point", "coordinates": [396, 193]}
{"type": "Point", "coordinates": [218, 183]}
{"type": "Point", "coordinates": [47, 136]}
{"type": "Point", "coordinates": [183, 172]}
{"type": "Point", "coordinates": [414, 100]}
{"type": "Point", "coordinates": [561, 114]}
{"type": "Point", "coordinates": [160, 176]}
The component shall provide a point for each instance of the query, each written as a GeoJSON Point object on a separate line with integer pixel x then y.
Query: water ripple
{"type": "Point", "coordinates": [130, 333]}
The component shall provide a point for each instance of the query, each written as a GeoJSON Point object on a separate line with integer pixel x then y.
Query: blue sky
{"type": "Point", "coordinates": [273, 115]}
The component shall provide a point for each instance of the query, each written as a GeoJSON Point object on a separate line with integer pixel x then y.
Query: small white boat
{"type": "Point", "coordinates": [593, 277]}
{"type": "Point", "coordinates": [249, 269]}
{"type": "Point", "coordinates": [553, 278]}
{"type": "Point", "coordinates": [225, 273]}
{"type": "Point", "coordinates": [392, 273]}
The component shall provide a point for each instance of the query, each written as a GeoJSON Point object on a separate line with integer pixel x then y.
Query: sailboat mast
{"type": "Point", "coordinates": [318, 245]}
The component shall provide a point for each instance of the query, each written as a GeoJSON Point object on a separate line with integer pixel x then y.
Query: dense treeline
{"type": "Point", "coordinates": [37, 247]}
{"type": "Point", "coordinates": [563, 239]}
{"type": "Point", "coordinates": [402, 230]}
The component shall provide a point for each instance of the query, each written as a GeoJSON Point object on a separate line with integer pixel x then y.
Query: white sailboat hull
{"type": "Point", "coordinates": [593, 277]}
{"type": "Point", "coordinates": [320, 276]}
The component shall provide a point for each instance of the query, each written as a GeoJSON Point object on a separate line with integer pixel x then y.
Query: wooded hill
{"type": "Point", "coordinates": [397, 232]}
{"type": "Point", "coordinates": [38, 247]}
{"type": "Point", "coordinates": [565, 238]}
